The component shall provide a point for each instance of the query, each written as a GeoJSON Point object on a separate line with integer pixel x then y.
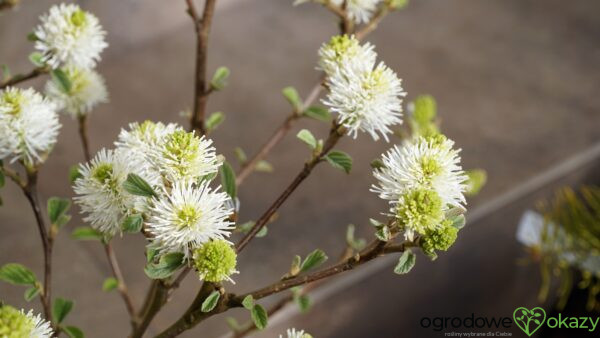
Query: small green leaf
{"type": "Point", "coordinates": [459, 221]}
{"type": "Point", "coordinates": [248, 302]}
{"type": "Point", "coordinates": [6, 74]}
{"type": "Point", "coordinates": [211, 301]}
{"type": "Point", "coordinates": [57, 207]}
{"type": "Point", "coordinates": [31, 293]}
{"type": "Point", "coordinates": [166, 266]}
{"type": "Point", "coordinates": [60, 78]}
{"type": "Point", "coordinates": [307, 137]}
{"type": "Point", "coordinates": [32, 37]}
{"type": "Point", "coordinates": [61, 309]}
{"type": "Point", "coordinates": [295, 268]}
{"type": "Point", "coordinates": [383, 233]}
{"type": "Point", "coordinates": [73, 332]}
{"type": "Point", "coordinates": [340, 160]}
{"type": "Point", "coordinates": [17, 274]}
{"type": "Point", "coordinates": [264, 166]}
{"type": "Point", "coordinates": [259, 317]}
{"type": "Point", "coordinates": [138, 186]}
{"type": "Point", "coordinates": [240, 155]}
{"type": "Point", "coordinates": [36, 59]}
{"type": "Point", "coordinates": [74, 173]}
{"type": "Point", "coordinates": [476, 180]}
{"type": "Point", "coordinates": [356, 244]}
{"type": "Point", "coordinates": [219, 79]}
{"type": "Point", "coordinates": [228, 179]}
{"type": "Point", "coordinates": [405, 263]}
{"type": "Point", "coordinates": [263, 232]}
{"type": "Point", "coordinates": [133, 223]}
{"type": "Point", "coordinates": [233, 324]}
{"type": "Point", "coordinates": [313, 260]}
{"type": "Point", "coordinates": [110, 284]}
{"type": "Point", "coordinates": [245, 227]}
{"type": "Point", "coordinates": [214, 120]}
{"type": "Point", "coordinates": [150, 254]}
{"type": "Point", "coordinates": [377, 164]}
{"type": "Point", "coordinates": [303, 302]}
{"type": "Point", "coordinates": [86, 234]}
{"type": "Point", "coordinates": [317, 113]}
{"type": "Point", "coordinates": [291, 94]}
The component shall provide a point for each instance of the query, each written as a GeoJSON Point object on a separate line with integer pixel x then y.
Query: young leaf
{"type": "Point", "coordinates": [214, 120]}
{"type": "Point", "coordinates": [228, 179]}
{"type": "Point", "coordinates": [36, 59]}
{"type": "Point", "coordinates": [233, 324]}
{"type": "Point", "coordinates": [263, 232]}
{"type": "Point", "coordinates": [17, 274]}
{"type": "Point", "coordinates": [73, 332]}
{"type": "Point", "coordinates": [138, 186]}
{"type": "Point", "coordinates": [264, 166]}
{"type": "Point", "coordinates": [377, 164]}
{"type": "Point", "coordinates": [150, 254]}
{"type": "Point", "coordinates": [86, 234]}
{"type": "Point", "coordinates": [307, 137]}
{"type": "Point", "coordinates": [110, 284]}
{"type": "Point", "coordinates": [340, 160]}
{"type": "Point", "coordinates": [295, 268]}
{"type": "Point", "coordinates": [57, 207]}
{"type": "Point", "coordinates": [383, 233]}
{"type": "Point", "coordinates": [133, 223]}
{"type": "Point", "coordinates": [166, 266]}
{"type": "Point", "coordinates": [61, 79]}
{"type": "Point", "coordinates": [61, 309]}
{"type": "Point", "coordinates": [6, 74]}
{"type": "Point", "coordinates": [211, 301]}
{"type": "Point", "coordinates": [313, 260]}
{"type": "Point", "coordinates": [31, 293]}
{"type": "Point", "coordinates": [405, 263]}
{"type": "Point", "coordinates": [356, 244]}
{"type": "Point", "coordinates": [459, 222]}
{"type": "Point", "coordinates": [259, 317]}
{"type": "Point", "coordinates": [219, 79]}
{"type": "Point", "coordinates": [74, 173]}
{"type": "Point", "coordinates": [248, 302]}
{"type": "Point", "coordinates": [317, 113]}
{"type": "Point", "coordinates": [240, 155]}
{"type": "Point", "coordinates": [291, 94]}
{"type": "Point", "coordinates": [303, 302]}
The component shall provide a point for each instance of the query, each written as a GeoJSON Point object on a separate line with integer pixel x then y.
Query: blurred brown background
{"type": "Point", "coordinates": [517, 88]}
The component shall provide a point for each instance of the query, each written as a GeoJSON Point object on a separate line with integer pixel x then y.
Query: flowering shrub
{"type": "Point", "coordinates": [168, 182]}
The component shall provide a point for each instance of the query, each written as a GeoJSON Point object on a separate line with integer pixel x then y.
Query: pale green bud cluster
{"type": "Point", "coordinates": [14, 323]}
{"type": "Point", "coordinates": [424, 113]}
{"type": "Point", "coordinates": [440, 238]}
{"type": "Point", "coordinates": [420, 210]}
{"type": "Point", "coordinates": [215, 261]}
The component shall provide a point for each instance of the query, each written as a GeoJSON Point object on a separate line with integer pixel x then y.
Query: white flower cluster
{"type": "Point", "coordinates": [70, 41]}
{"type": "Point", "coordinates": [366, 96]}
{"type": "Point", "coordinates": [184, 213]}
{"type": "Point", "coordinates": [293, 333]}
{"type": "Point", "coordinates": [28, 126]}
{"type": "Point", "coordinates": [15, 323]}
{"type": "Point", "coordinates": [422, 179]}
{"type": "Point", "coordinates": [359, 11]}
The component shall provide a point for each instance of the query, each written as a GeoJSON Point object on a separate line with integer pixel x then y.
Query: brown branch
{"type": "Point", "coordinates": [201, 87]}
{"type": "Point", "coordinates": [23, 77]}
{"type": "Point", "coordinates": [82, 124]}
{"type": "Point", "coordinates": [334, 135]}
{"type": "Point", "coordinates": [157, 297]}
{"type": "Point", "coordinates": [373, 23]}
{"type": "Point", "coordinates": [30, 190]}
{"type": "Point", "coordinates": [121, 286]}
{"type": "Point", "coordinates": [8, 4]}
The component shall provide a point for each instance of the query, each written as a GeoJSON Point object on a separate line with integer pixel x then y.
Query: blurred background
{"type": "Point", "coordinates": [516, 82]}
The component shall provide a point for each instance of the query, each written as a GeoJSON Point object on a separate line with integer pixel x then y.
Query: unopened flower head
{"type": "Point", "coordinates": [344, 51]}
{"type": "Point", "coordinates": [101, 194]}
{"type": "Point", "coordinates": [86, 90]}
{"type": "Point", "coordinates": [28, 125]}
{"type": "Point", "coordinates": [366, 100]}
{"type": "Point", "coordinates": [18, 324]}
{"type": "Point", "coordinates": [359, 11]}
{"type": "Point", "coordinates": [440, 238]}
{"type": "Point", "coordinates": [185, 156]}
{"type": "Point", "coordinates": [189, 216]}
{"type": "Point", "coordinates": [293, 333]}
{"type": "Point", "coordinates": [69, 36]}
{"type": "Point", "coordinates": [419, 210]}
{"type": "Point", "coordinates": [215, 261]}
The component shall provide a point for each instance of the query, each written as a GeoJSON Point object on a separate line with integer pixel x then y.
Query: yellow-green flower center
{"type": "Point", "coordinates": [78, 18]}
{"type": "Point", "coordinates": [430, 167]}
{"type": "Point", "coordinates": [187, 216]}
{"type": "Point", "coordinates": [12, 99]}
{"type": "Point", "coordinates": [182, 148]}
{"type": "Point", "coordinates": [420, 210]}
{"type": "Point", "coordinates": [14, 323]}
{"type": "Point", "coordinates": [342, 44]}
{"type": "Point", "coordinates": [103, 172]}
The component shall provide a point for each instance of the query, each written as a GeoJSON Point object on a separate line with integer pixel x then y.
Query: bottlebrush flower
{"type": "Point", "coordinates": [292, 333]}
{"type": "Point", "coordinates": [87, 89]}
{"type": "Point", "coordinates": [189, 216]}
{"type": "Point", "coordinates": [346, 51]}
{"type": "Point", "coordinates": [359, 11]}
{"type": "Point", "coordinates": [28, 125]}
{"type": "Point", "coordinates": [215, 261]}
{"type": "Point", "coordinates": [69, 36]}
{"type": "Point", "coordinates": [15, 323]}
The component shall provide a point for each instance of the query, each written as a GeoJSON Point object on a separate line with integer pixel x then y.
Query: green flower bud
{"type": "Point", "coordinates": [215, 261]}
{"type": "Point", "coordinates": [440, 238]}
{"type": "Point", "coordinates": [14, 323]}
{"type": "Point", "coordinates": [420, 210]}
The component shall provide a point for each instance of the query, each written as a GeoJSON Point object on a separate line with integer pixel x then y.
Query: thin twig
{"type": "Point", "coordinates": [14, 176]}
{"type": "Point", "coordinates": [8, 4]}
{"type": "Point", "coordinates": [201, 87]}
{"type": "Point", "coordinates": [334, 135]}
{"type": "Point", "coordinates": [23, 77]}
{"type": "Point", "coordinates": [82, 123]}
{"type": "Point", "coordinates": [372, 25]}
